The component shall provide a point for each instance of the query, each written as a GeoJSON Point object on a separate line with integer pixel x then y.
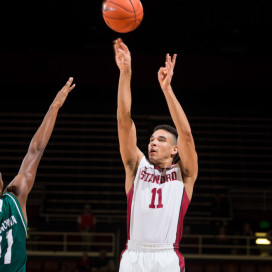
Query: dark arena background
{"type": "Point", "coordinates": [223, 81]}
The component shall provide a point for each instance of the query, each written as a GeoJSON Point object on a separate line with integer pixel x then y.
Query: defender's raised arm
{"type": "Point", "coordinates": [21, 185]}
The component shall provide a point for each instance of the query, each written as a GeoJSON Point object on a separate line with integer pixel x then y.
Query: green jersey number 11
{"type": "Point", "coordinates": [7, 258]}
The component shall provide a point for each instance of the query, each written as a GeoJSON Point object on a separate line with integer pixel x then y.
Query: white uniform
{"type": "Point", "coordinates": [156, 206]}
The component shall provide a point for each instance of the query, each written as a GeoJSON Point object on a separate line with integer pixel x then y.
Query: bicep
{"type": "Point", "coordinates": [29, 167]}
{"type": "Point", "coordinates": [22, 184]}
{"type": "Point", "coordinates": [188, 164]}
{"type": "Point", "coordinates": [188, 156]}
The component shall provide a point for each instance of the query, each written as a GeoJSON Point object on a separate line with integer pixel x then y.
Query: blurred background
{"type": "Point", "coordinates": [223, 81]}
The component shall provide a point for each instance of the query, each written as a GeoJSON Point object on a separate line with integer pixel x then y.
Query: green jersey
{"type": "Point", "coordinates": [13, 231]}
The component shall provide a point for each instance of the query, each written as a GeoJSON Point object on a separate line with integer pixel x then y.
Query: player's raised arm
{"type": "Point", "coordinates": [186, 146]}
{"type": "Point", "coordinates": [130, 153]}
{"type": "Point", "coordinates": [21, 185]}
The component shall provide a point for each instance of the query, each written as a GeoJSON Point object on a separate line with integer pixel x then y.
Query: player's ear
{"type": "Point", "coordinates": [174, 150]}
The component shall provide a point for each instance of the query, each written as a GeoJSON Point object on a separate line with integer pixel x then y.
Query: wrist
{"type": "Point", "coordinates": [55, 106]}
{"type": "Point", "coordinates": [126, 73]}
{"type": "Point", "coordinates": [167, 88]}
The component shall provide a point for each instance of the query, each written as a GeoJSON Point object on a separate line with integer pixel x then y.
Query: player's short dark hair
{"type": "Point", "coordinates": [174, 132]}
{"type": "Point", "coordinates": [168, 128]}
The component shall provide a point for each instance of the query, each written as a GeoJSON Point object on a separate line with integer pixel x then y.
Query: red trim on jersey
{"type": "Point", "coordinates": [183, 209]}
{"type": "Point", "coordinates": [129, 202]}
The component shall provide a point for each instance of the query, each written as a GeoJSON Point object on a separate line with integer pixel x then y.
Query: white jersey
{"type": "Point", "coordinates": [157, 204]}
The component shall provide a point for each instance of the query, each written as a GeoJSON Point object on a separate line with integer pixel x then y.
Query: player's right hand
{"type": "Point", "coordinates": [122, 55]}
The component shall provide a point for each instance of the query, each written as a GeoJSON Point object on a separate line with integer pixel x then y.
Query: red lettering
{"type": "Point", "coordinates": [159, 192]}
{"type": "Point", "coordinates": [151, 177]}
{"type": "Point", "coordinates": [152, 204]}
{"type": "Point", "coordinates": [142, 174]}
{"type": "Point", "coordinates": [147, 175]}
{"type": "Point", "coordinates": [174, 175]}
{"type": "Point", "coordinates": [168, 177]}
{"type": "Point", "coordinates": [162, 179]}
{"type": "Point", "coordinates": [156, 179]}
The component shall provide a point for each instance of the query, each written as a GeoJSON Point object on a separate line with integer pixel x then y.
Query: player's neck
{"type": "Point", "coordinates": [164, 164]}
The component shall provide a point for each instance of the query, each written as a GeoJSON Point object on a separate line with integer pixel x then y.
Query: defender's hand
{"type": "Point", "coordinates": [63, 93]}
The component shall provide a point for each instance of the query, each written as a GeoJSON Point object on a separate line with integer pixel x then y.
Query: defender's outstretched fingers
{"type": "Point", "coordinates": [67, 87]}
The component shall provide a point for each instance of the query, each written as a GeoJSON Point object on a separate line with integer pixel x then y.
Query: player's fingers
{"type": "Point", "coordinates": [162, 72]}
{"type": "Point", "coordinates": [69, 82]}
{"type": "Point", "coordinates": [116, 41]}
{"type": "Point", "coordinates": [174, 59]}
{"type": "Point", "coordinates": [72, 87]}
{"type": "Point", "coordinates": [120, 53]}
{"type": "Point", "coordinates": [124, 47]}
{"type": "Point", "coordinates": [115, 47]}
{"type": "Point", "coordinates": [67, 85]}
{"type": "Point", "coordinates": [167, 65]}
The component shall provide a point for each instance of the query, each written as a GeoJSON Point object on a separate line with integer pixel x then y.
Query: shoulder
{"type": "Point", "coordinates": [144, 161]}
{"type": "Point", "coordinates": [9, 197]}
{"type": "Point", "coordinates": [132, 167]}
{"type": "Point", "coordinates": [11, 205]}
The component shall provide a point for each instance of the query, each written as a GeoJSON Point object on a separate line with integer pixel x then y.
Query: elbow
{"type": "Point", "coordinates": [36, 147]}
{"type": "Point", "coordinates": [191, 173]}
{"type": "Point", "coordinates": [185, 132]}
{"type": "Point", "coordinates": [123, 116]}
{"type": "Point", "coordinates": [188, 136]}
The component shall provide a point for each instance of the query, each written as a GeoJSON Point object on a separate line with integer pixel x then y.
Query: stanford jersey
{"type": "Point", "coordinates": [156, 206]}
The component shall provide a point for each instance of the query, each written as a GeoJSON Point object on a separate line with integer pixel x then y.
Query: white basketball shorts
{"type": "Point", "coordinates": [143, 257]}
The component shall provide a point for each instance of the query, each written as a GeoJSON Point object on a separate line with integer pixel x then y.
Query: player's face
{"type": "Point", "coordinates": [161, 147]}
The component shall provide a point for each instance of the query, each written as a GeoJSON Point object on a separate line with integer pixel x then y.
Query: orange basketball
{"type": "Point", "coordinates": [122, 15]}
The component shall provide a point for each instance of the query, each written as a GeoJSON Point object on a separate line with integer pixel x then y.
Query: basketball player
{"type": "Point", "coordinates": [158, 188]}
{"type": "Point", "coordinates": [13, 217]}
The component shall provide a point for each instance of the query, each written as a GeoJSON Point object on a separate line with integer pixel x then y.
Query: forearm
{"type": "Point", "coordinates": [177, 113]}
{"type": "Point", "coordinates": [124, 95]}
{"type": "Point", "coordinates": [43, 134]}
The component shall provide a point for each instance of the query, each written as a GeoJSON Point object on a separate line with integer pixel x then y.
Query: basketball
{"type": "Point", "coordinates": [122, 15]}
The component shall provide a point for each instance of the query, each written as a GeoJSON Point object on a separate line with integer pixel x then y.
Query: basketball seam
{"type": "Point", "coordinates": [123, 7]}
{"type": "Point", "coordinates": [118, 29]}
{"type": "Point", "coordinates": [122, 18]}
{"type": "Point", "coordinates": [133, 13]}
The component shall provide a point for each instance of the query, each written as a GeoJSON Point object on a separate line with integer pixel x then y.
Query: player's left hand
{"type": "Point", "coordinates": [165, 74]}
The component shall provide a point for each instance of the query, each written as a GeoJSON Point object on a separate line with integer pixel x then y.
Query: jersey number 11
{"type": "Point", "coordinates": [154, 191]}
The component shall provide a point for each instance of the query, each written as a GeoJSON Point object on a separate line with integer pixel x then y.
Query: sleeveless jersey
{"type": "Point", "coordinates": [156, 205]}
{"type": "Point", "coordinates": [13, 231]}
